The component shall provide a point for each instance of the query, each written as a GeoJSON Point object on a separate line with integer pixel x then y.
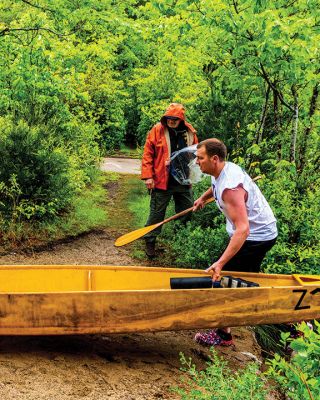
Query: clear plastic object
{"type": "Point", "coordinates": [183, 166]}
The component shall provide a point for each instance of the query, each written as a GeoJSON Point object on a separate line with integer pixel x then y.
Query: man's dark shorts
{"type": "Point", "coordinates": [250, 256]}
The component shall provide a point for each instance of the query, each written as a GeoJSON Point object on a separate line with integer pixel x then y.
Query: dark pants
{"type": "Point", "coordinates": [250, 256]}
{"type": "Point", "coordinates": [183, 199]}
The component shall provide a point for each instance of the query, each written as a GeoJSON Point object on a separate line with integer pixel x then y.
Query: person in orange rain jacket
{"type": "Point", "coordinates": [171, 134]}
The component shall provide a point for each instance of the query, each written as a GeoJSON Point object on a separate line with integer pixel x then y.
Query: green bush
{"type": "Point", "coordinates": [217, 381]}
{"type": "Point", "coordinates": [297, 209]}
{"type": "Point", "coordinates": [201, 246]}
{"type": "Point", "coordinates": [299, 377]}
{"type": "Point", "coordinates": [149, 116]}
{"type": "Point", "coordinates": [35, 179]}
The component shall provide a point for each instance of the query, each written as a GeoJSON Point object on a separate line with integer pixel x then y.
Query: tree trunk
{"type": "Point", "coordinates": [276, 126]}
{"type": "Point", "coordinates": [304, 141]}
{"type": "Point", "coordinates": [295, 120]}
{"type": "Point", "coordinates": [259, 131]}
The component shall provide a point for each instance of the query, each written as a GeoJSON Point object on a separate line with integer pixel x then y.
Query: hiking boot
{"type": "Point", "coordinates": [215, 337]}
{"type": "Point", "coordinates": [151, 249]}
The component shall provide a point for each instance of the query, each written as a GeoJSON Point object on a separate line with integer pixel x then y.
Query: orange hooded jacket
{"type": "Point", "coordinates": [157, 149]}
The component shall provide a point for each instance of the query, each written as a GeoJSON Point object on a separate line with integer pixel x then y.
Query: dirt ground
{"type": "Point", "coordinates": [127, 366]}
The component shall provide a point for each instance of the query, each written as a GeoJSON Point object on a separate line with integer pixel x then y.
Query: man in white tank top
{"type": "Point", "coordinates": [251, 224]}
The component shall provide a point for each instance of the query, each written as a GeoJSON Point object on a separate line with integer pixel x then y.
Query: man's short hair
{"type": "Point", "coordinates": [214, 147]}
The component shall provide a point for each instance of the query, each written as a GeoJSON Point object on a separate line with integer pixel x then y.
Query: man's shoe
{"type": "Point", "coordinates": [151, 249]}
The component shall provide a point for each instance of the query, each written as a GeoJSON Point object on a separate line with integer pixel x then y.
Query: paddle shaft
{"type": "Point", "coordinates": [138, 233]}
{"type": "Point", "coordinates": [184, 212]}
{"type": "Point", "coordinates": [181, 214]}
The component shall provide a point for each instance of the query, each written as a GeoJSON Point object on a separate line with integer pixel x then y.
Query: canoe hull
{"type": "Point", "coordinates": [120, 311]}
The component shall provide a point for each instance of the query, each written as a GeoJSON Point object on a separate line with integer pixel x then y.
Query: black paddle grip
{"type": "Point", "coordinates": [204, 282]}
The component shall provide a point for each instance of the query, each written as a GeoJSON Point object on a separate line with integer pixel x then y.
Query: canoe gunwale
{"type": "Point", "coordinates": [104, 278]}
{"type": "Point", "coordinates": [139, 269]}
{"type": "Point", "coordinates": [132, 291]}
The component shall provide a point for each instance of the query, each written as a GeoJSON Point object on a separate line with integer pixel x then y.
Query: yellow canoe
{"type": "Point", "coordinates": [59, 300]}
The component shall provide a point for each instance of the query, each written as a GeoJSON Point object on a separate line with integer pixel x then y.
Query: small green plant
{"type": "Point", "coordinates": [217, 381]}
{"type": "Point", "coordinates": [138, 254]}
{"type": "Point", "coordinates": [299, 377]}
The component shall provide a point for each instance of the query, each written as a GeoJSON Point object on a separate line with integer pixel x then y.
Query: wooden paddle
{"type": "Point", "coordinates": [138, 233]}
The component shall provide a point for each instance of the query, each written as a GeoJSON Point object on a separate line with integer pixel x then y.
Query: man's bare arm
{"type": "Point", "coordinates": [234, 200]}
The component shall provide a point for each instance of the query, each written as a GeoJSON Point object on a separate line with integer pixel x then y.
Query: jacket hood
{"type": "Point", "coordinates": [174, 110]}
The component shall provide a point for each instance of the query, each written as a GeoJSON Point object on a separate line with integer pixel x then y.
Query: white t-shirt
{"type": "Point", "coordinates": [262, 222]}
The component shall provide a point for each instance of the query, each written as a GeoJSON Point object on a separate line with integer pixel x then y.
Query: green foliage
{"type": "Point", "coordinates": [119, 67]}
{"type": "Point", "coordinates": [299, 377]}
{"type": "Point", "coordinates": [128, 152]}
{"type": "Point", "coordinates": [85, 77]}
{"type": "Point", "coordinates": [217, 381]}
{"type": "Point", "coordinates": [297, 248]}
{"type": "Point", "coordinates": [88, 211]}
{"type": "Point", "coordinates": [269, 338]}
{"type": "Point", "coordinates": [34, 176]}
{"type": "Point", "coordinates": [197, 247]}
{"type": "Point", "coordinates": [41, 172]}
{"type": "Point", "coordinates": [138, 203]}
{"type": "Point", "coordinates": [297, 211]}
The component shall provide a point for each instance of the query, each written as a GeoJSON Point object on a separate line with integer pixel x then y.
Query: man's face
{"type": "Point", "coordinates": [173, 123]}
{"type": "Point", "coordinates": [204, 161]}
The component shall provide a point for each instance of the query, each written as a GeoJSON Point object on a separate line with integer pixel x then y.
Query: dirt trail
{"type": "Point", "coordinates": [132, 366]}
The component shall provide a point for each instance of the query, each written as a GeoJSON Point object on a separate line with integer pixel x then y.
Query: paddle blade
{"type": "Point", "coordinates": [131, 236]}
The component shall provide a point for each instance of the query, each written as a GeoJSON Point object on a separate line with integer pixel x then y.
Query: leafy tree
{"type": "Point", "coordinates": [91, 75]}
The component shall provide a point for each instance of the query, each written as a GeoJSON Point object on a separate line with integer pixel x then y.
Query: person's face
{"type": "Point", "coordinates": [173, 123]}
{"type": "Point", "coordinates": [206, 163]}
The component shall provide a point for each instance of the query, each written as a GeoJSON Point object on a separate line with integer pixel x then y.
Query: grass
{"type": "Point", "coordinates": [120, 218]}
{"type": "Point", "coordinates": [89, 212]}
{"type": "Point", "coordinates": [127, 152]}
{"type": "Point", "coordinates": [138, 202]}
